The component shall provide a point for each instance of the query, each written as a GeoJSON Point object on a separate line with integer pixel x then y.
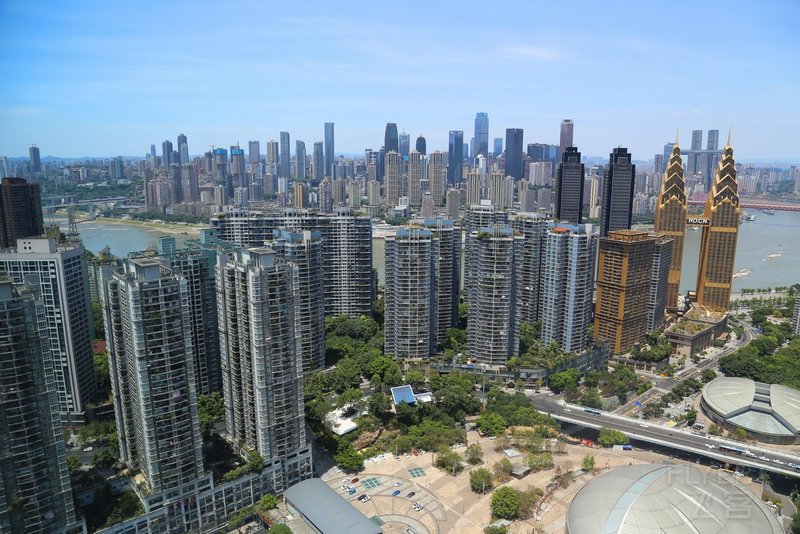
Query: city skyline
{"type": "Point", "coordinates": [128, 80]}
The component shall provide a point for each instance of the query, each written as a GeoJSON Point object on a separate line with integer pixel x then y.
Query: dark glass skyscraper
{"type": "Point", "coordinates": [390, 139]}
{"type": "Point", "coordinates": [481, 134]}
{"type": "Point", "coordinates": [498, 147]}
{"type": "Point", "coordinates": [284, 167]}
{"type": "Point", "coordinates": [566, 137]}
{"type": "Point", "coordinates": [319, 162]}
{"type": "Point", "coordinates": [514, 153]}
{"type": "Point", "coordinates": [455, 157]}
{"type": "Point", "coordinates": [421, 146]}
{"type": "Point", "coordinates": [616, 203]}
{"type": "Point", "coordinates": [36, 160]}
{"type": "Point", "coordinates": [571, 176]}
{"type": "Point", "coordinates": [183, 150]}
{"type": "Point", "coordinates": [329, 151]}
{"type": "Point", "coordinates": [166, 154]}
{"type": "Point", "coordinates": [404, 143]}
{"type": "Point", "coordinates": [20, 211]}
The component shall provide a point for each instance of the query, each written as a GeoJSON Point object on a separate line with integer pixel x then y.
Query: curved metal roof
{"type": "Point", "coordinates": [761, 408]}
{"type": "Point", "coordinates": [668, 499]}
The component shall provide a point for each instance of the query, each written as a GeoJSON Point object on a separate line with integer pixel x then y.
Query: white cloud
{"type": "Point", "coordinates": [539, 53]}
{"type": "Point", "coordinates": [22, 111]}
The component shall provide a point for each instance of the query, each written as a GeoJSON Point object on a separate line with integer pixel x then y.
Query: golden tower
{"type": "Point", "coordinates": [720, 233]}
{"type": "Point", "coordinates": [671, 219]}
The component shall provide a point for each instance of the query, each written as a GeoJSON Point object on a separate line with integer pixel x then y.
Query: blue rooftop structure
{"type": "Point", "coordinates": [403, 394]}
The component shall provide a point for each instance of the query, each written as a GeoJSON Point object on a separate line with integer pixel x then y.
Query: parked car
{"type": "Point", "coordinates": [395, 493]}
{"type": "Point", "coordinates": [411, 494]}
{"type": "Point", "coordinates": [364, 498]}
{"type": "Point", "coordinates": [354, 480]}
{"type": "Point", "coordinates": [88, 449]}
{"type": "Point", "coordinates": [351, 491]}
{"type": "Point", "coordinates": [398, 484]}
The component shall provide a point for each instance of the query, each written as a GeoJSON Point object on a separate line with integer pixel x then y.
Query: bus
{"type": "Point", "coordinates": [593, 411]}
{"type": "Point", "coordinates": [730, 450]}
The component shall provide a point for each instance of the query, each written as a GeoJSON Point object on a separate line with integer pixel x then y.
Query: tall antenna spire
{"type": "Point", "coordinates": [677, 134]}
{"type": "Point", "coordinates": [73, 236]}
{"type": "Point", "coordinates": [729, 136]}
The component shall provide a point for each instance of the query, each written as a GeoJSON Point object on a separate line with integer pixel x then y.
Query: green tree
{"type": "Point", "coordinates": [539, 461]}
{"type": "Point", "coordinates": [128, 505]}
{"type": "Point", "coordinates": [587, 464]}
{"type": "Point", "coordinates": [267, 502]}
{"type": "Point", "coordinates": [708, 375]}
{"type": "Point", "coordinates": [97, 318]}
{"type": "Point", "coordinates": [591, 399]}
{"type": "Point", "coordinates": [210, 411]}
{"type": "Point", "coordinates": [715, 430]}
{"type": "Point", "coordinates": [564, 381]}
{"type": "Point", "coordinates": [740, 434]}
{"type": "Point", "coordinates": [283, 529]}
{"type": "Point", "coordinates": [384, 371]}
{"type": "Point", "coordinates": [474, 454]}
{"type": "Point", "coordinates": [415, 379]}
{"type": "Point", "coordinates": [498, 529]}
{"type": "Point", "coordinates": [502, 469]}
{"type": "Point", "coordinates": [527, 502]}
{"type": "Point", "coordinates": [448, 460]}
{"type": "Point", "coordinates": [105, 457]}
{"type": "Point", "coordinates": [480, 480]}
{"type": "Point", "coordinates": [505, 503]}
{"type": "Point", "coordinates": [491, 424]}
{"type": "Point", "coordinates": [796, 523]}
{"type": "Point", "coordinates": [380, 405]}
{"type": "Point", "coordinates": [103, 372]}
{"type": "Point", "coordinates": [351, 397]}
{"type": "Point", "coordinates": [611, 436]}
{"type": "Point", "coordinates": [73, 464]}
{"type": "Point", "coordinates": [349, 459]}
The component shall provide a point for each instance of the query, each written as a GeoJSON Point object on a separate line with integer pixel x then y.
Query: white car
{"type": "Point", "coordinates": [398, 484]}
{"type": "Point", "coordinates": [88, 449]}
{"type": "Point", "coordinates": [763, 458]}
{"type": "Point", "coordinates": [738, 473]}
{"type": "Point", "coordinates": [710, 446]}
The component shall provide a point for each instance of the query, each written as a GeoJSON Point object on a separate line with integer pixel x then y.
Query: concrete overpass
{"type": "Point", "coordinates": [683, 440]}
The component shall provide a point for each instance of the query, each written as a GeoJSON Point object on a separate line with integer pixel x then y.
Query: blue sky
{"type": "Point", "coordinates": [108, 78]}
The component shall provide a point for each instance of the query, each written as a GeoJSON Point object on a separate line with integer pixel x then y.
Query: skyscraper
{"type": "Point", "coordinates": [659, 277]}
{"type": "Point", "coordinates": [474, 190]}
{"type": "Point", "coordinates": [330, 153]}
{"type": "Point", "coordinates": [421, 146]}
{"type": "Point", "coordinates": [153, 151]}
{"type": "Point", "coordinates": [35, 495]}
{"type": "Point", "coordinates": [392, 181]}
{"type": "Point", "coordinates": [20, 211]}
{"type": "Point", "coordinates": [713, 140]}
{"type": "Point", "coordinates": [478, 216]}
{"type": "Point", "coordinates": [455, 158]}
{"type": "Point", "coordinates": [410, 306]}
{"type": "Point", "coordinates": [437, 176]}
{"type": "Point", "coordinates": [571, 176]}
{"type": "Point", "coordinates": [262, 373]}
{"type": "Point", "coordinates": [390, 140]}
{"type": "Point", "coordinates": [697, 139]}
{"type": "Point", "coordinates": [416, 165]}
{"type": "Point", "coordinates": [452, 204]}
{"type": "Point", "coordinates": [616, 204]}
{"type": "Point", "coordinates": [62, 277]}
{"type": "Point", "coordinates": [253, 152]}
{"type": "Point", "coordinates": [514, 153]}
{"type": "Point", "coordinates": [481, 134]}
{"type": "Point", "coordinates": [670, 220]}
{"type": "Point", "coordinates": [284, 165]}
{"type": "Point", "coordinates": [303, 250]}
{"type": "Point", "coordinates": [318, 162]}
{"type": "Point", "coordinates": [404, 142]}
{"type": "Point", "coordinates": [498, 147]}
{"type": "Point", "coordinates": [272, 153]}
{"type": "Point", "coordinates": [567, 284]}
{"type": "Point", "coordinates": [166, 153]}
{"type": "Point", "coordinates": [624, 266]}
{"type": "Point", "coordinates": [300, 159]}
{"type": "Point", "coordinates": [532, 227]}
{"type": "Point", "coordinates": [446, 257]}
{"type": "Point", "coordinates": [566, 137]}
{"type": "Point", "coordinates": [153, 375]}
{"type": "Point", "coordinates": [493, 317]}
{"type": "Point", "coordinates": [36, 160]}
{"type": "Point", "coordinates": [5, 172]}
{"type": "Point", "coordinates": [183, 150]}
{"type": "Point", "coordinates": [720, 235]}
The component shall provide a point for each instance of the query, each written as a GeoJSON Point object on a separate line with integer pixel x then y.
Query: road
{"type": "Point", "coordinates": [682, 440]}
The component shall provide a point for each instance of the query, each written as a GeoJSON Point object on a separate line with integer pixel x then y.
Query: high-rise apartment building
{"type": "Point", "coordinates": [796, 317]}
{"type": "Point", "coordinates": [253, 152]}
{"type": "Point", "coordinates": [300, 159]}
{"type": "Point", "coordinates": [20, 211]}
{"type": "Point", "coordinates": [262, 372]}
{"type": "Point", "coordinates": [421, 146]}
{"type": "Point", "coordinates": [35, 494]}
{"type": "Point", "coordinates": [481, 134]}
{"type": "Point", "coordinates": [35, 157]}
{"type": "Point", "coordinates": [571, 176]}
{"type": "Point", "coordinates": [501, 190]}
{"type": "Point", "coordinates": [616, 204]}
{"type": "Point", "coordinates": [416, 171]}
{"type": "Point", "coordinates": [453, 204]}
{"type": "Point", "coordinates": [392, 182]}
{"type": "Point", "coordinates": [330, 153]}
{"type": "Point", "coordinates": [62, 277]}
{"type": "Point", "coordinates": [272, 153]}
{"type": "Point", "coordinates": [346, 250]}
{"type": "Point", "coordinates": [514, 153]}
{"type": "Point", "coordinates": [318, 163]}
{"type": "Point", "coordinates": [565, 137]}
{"type": "Point", "coordinates": [671, 212]}
{"type": "Point", "coordinates": [567, 284]}
{"type": "Point", "coordinates": [659, 282]}
{"type": "Point", "coordinates": [720, 234]}
{"type": "Point", "coordinates": [300, 195]}
{"type": "Point", "coordinates": [284, 165]}
{"type": "Point", "coordinates": [437, 174]}
{"type": "Point", "coordinates": [410, 306]}
{"type": "Point", "coordinates": [532, 227]}
{"type": "Point", "coordinates": [478, 216]}
{"type": "Point", "coordinates": [493, 318]}
{"type": "Point", "coordinates": [303, 249]}
{"type": "Point", "coordinates": [153, 376]}
{"type": "Point", "coordinates": [624, 269]}
{"type": "Point", "coordinates": [474, 189]}
{"type": "Point", "coordinates": [455, 157]}
{"type": "Point", "coordinates": [446, 256]}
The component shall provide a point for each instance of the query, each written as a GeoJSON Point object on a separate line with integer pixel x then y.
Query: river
{"type": "Point", "coordinates": [768, 235]}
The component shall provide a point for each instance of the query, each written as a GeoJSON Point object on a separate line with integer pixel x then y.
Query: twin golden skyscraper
{"type": "Point", "coordinates": [720, 223]}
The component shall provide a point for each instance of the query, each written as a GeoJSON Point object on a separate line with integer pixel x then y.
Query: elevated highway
{"type": "Point", "coordinates": [683, 440]}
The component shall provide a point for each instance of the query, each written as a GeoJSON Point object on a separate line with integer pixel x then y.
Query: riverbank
{"type": "Point", "coordinates": [167, 228]}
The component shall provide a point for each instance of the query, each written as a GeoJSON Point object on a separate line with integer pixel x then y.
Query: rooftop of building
{"type": "Point", "coordinates": [757, 407]}
{"type": "Point", "coordinates": [327, 510]}
{"type": "Point", "coordinates": [672, 499]}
